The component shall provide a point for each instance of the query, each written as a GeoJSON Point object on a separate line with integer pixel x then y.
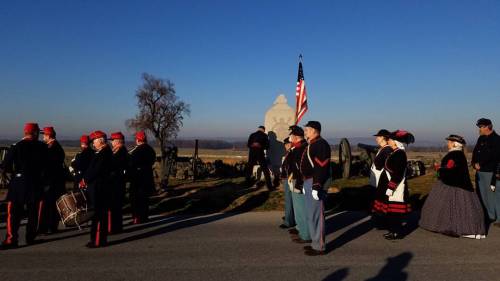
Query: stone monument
{"type": "Point", "coordinates": [277, 121]}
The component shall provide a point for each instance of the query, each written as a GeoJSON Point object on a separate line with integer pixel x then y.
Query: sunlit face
{"type": "Point", "coordinates": [391, 143]}
{"type": "Point", "coordinates": [310, 133]}
{"type": "Point", "coordinates": [380, 141]}
{"type": "Point", "coordinates": [484, 130]}
{"type": "Point", "coordinates": [84, 146]}
{"type": "Point", "coordinates": [116, 143]}
{"type": "Point", "coordinates": [98, 144]}
{"type": "Point", "coordinates": [449, 144]}
{"type": "Point", "coordinates": [46, 138]}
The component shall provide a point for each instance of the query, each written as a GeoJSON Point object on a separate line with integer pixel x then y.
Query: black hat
{"type": "Point", "coordinates": [296, 131]}
{"type": "Point", "coordinates": [383, 133]}
{"type": "Point", "coordinates": [314, 124]}
{"type": "Point", "coordinates": [402, 136]}
{"type": "Point", "coordinates": [483, 122]}
{"type": "Point", "coordinates": [286, 140]}
{"type": "Point", "coordinates": [262, 127]}
{"type": "Point", "coordinates": [456, 138]}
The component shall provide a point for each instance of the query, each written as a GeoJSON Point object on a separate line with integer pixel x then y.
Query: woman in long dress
{"type": "Point", "coordinates": [376, 170]}
{"type": "Point", "coordinates": [393, 206]}
{"type": "Point", "coordinates": [452, 207]}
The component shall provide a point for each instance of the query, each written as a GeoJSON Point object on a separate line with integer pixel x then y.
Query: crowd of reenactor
{"type": "Point", "coordinates": [454, 205]}
{"type": "Point", "coordinates": [101, 169]}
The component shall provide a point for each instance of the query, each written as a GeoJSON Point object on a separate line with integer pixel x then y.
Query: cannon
{"type": "Point", "coordinates": [360, 164]}
{"type": "Point", "coordinates": [4, 177]}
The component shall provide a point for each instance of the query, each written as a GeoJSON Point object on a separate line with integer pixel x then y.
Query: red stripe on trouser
{"type": "Point", "coordinates": [9, 224]}
{"type": "Point", "coordinates": [109, 221]}
{"type": "Point", "coordinates": [40, 208]}
{"type": "Point", "coordinates": [97, 234]}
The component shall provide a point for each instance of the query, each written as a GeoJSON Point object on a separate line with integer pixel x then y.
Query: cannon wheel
{"type": "Point", "coordinates": [345, 158]}
{"type": "Point", "coordinates": [4, 177]}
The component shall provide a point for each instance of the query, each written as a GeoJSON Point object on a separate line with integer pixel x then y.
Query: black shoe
{"type": "Point", "coordinates": [313, 253]}
{"type": "Point", "coordinates": [293, 231]}
{"type": "Point", "coordinates": [8, 246]}
{"type": "Point", "coordinates": [284, 226]}
{"type": "Point", "coordinates": [307, 248]}
{"type": "Point", "coordinates": [392, 236]}
{"type": "Point", "coordinates": [301, 241]}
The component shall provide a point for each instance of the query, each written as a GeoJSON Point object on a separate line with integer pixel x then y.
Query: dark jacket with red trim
{"type": "Point", "coordinates": [454, 170]}
{"type": "Point", "coordinates": [55, 176]}
{"type": "Point", "coordinates": [320, 153]}
{"type": "Point", "coordinates": [25, 161]}
{"type": "Point", "coordinates": [120, 164]}
{"type": "Point", "coordinates": [286, 165]}
{"type": "Point", "coordinates": [395, 165]}
{"type": "Point", "coordinates": [98, 177]}
{"type": "Point", "coordinates": [292, 164]}
{"type": "Point", "coordinates": [81, 162]}
{"type": "Point", "coordinates": [380, 158]}
{"type": "Point", "coordinates": [142, 158]}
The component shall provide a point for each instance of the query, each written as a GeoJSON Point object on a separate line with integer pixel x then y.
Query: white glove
{"type": "Point", "coordinates": [389, 192]}
{"type": "Point", "coordinates": [492, 188]}
{"type": "Point", "coordinates": [291, 184]}
{"type": "Point", "coordinates": [315, 195]}
{"type": "Point", "coordinates": [303, 191]}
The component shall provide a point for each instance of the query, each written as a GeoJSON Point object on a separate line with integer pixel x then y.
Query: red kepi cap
{"type": "Point", "coordinates": [97, 135]}
{"type": "Point", "coordinates": [84, 139]}
{"type": "Point", "coordinates": [117, 136]}
{"type": "Point", "coordinates": [31, 128]}
{"type": "Point", "coordinates": [141, 136]}
{"type": "Point", "coordinates": [49, 131]}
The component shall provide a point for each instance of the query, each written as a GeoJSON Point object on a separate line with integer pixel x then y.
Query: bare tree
{"type": "Point", "coordinates": [160, 114]}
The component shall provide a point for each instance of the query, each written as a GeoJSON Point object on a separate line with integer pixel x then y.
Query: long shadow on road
{"type": "Point", "coordinates": [172, 224]}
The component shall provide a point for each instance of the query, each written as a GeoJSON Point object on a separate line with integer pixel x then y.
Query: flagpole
{"type": "Point", "coordinates": [296, 101]}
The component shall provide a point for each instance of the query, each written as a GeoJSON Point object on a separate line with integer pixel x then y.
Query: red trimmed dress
{"type": "Point", "coordinates": [393, 177]}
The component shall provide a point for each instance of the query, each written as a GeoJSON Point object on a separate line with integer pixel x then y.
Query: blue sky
{"type": "Point", "coordinates": [431, 67]}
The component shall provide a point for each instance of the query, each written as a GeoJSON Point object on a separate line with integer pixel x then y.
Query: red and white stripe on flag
{"type": "Point", "coordinates": [301, 96]}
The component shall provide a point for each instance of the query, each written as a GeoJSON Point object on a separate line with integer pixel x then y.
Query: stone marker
{"type": "Point", "coordinates": [277, 121]}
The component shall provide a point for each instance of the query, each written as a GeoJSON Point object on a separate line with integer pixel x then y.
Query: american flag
{"type": "Point", "coordinates": [300, 95]}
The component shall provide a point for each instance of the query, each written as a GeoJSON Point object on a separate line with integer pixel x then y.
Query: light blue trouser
{"type": "Point", "coordinates": [491, 200]}
{"type": "Point", "coordinates": [299, 209]}
{"type": "Point", "coordinates": [289, 210]}
{"type": "Point", "coordinates": [315, 214]}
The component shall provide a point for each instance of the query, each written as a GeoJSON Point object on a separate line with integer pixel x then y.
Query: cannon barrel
{"type": "Point", "coordinates": [368, 148]}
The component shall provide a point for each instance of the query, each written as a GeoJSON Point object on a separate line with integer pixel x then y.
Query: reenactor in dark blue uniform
{"type": "Point", "coordinates": [258, 142]}
{"type": "Point", "coordinates": [55, 182]}
{"type": "Point", "coordinates": [300, 234]}
{"type": "Point", "coordinates": [118, 179]}
{"type": "Point", "coordinates": [315, 168]}
{"type": "Point", "coordinates": [26, 162]}
{"type": "Point", "coordinates": [289, 219]}
{"type": "Point", "coordinates": [486, 162]}
{"type": "Point", "coordinates": [97, 180]}
{"type": "Point", "coordinates": [82, 159]}
{"type": "Point", "coordinates": [142, 159]}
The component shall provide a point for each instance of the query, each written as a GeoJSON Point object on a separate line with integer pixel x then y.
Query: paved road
{"type": "Point", "coordinates": [250, 246]}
